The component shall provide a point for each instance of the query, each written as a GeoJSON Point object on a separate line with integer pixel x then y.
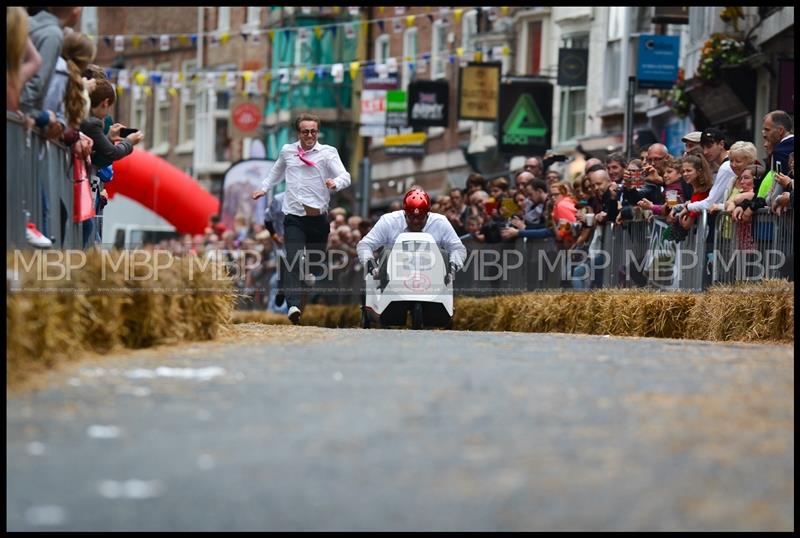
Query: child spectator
{"type": "Point", "coordinates": [672, 183]}
{"type": "Point", "coordinates": [697, 172]}
{"type": "Point", "coordinates": [104, 152]}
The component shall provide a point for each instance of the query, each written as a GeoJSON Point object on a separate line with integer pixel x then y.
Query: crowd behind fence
{"type": "Point", "coordinates": [631, 253]}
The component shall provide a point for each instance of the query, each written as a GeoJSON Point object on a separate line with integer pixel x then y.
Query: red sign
{"type": "Point", "coordinates": [246, 117]}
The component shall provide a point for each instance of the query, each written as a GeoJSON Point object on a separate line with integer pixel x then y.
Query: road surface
{"type": "Point", "coordinates": [304, 428]}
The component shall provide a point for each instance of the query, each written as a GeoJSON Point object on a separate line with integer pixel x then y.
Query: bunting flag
{"type": "Point", "coordinates": [349, 31]}
{"type": "Point", "coordinates": [148, 91]}
{"type": "Point", "coordinates": [397, 25]}
{"type": "Point", "coordinates": [153, 40]}
{"type": "Point", "coordinates": [318, 32]}
{"type": "Point", "coordinates": [119, 43]}
{"type": "Point", "coordinates": [381, 10]}
{"type": "Point", "coordinates": [183, 39]}
{"type": "Point", "coordinates": [399, 10]}
{"type": "Point", "coordinates": [224, 37]}
{"type": "Point", "coordinates": [504, 11]}
{"type": "Point", "coordinates": [457, 13]}
{"type": "Point", "coordinates": [430, 18]}
{"type": "Point", "coordinates": [140, 78]}
{"type": "Point", "coordinates": [380, 25]}
{"type": "Point", "coordinates": [337, 72]}
{"type": "Point", "coordinates": [410, 21]}
{"type": "Point", "coordinates": [136, 41]}
{"type": "Point", "coordinates": [391, 65]}
{"type": "Point", "coordinates": [122, 79]}
{"type": "Point", "coordinates": [478, 56]}
{"type": "Point", "coordinates": [354, 11]}
{"type": "Point", "coordinates": [107, 41]}
{"type": "Point", "coordinates": [194, 40]}
{"type": "Point", "coordinates": [353, 70]}
{"type": "Point", "coordinates": [164, 42]}
{"type": "Point", "coordinates": [460, 52]}
{"type": "Point", "coordinates": [120, 90]}
{"type": "Point", "coordinates": [271, 35]}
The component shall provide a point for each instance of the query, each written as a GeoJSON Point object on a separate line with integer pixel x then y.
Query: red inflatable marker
{"type": "Point", "coordinates": [168, 191]}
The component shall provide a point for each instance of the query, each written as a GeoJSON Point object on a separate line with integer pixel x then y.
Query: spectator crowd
{"type": "Point", "coordinates": [53, 85]}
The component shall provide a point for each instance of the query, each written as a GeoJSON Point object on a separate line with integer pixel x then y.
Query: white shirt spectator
{"type": "Point", "coordinates": [305, 185]}
{"type": "Point", "coordinates": [720, 189]}
{"type": "Point", "coordinates": [390, 225]}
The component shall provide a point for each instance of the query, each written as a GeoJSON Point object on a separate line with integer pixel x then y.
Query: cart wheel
{"type": "Point", "coordinates": [416, 316]}
{"type": "Point", "coordinates": [365, 323]}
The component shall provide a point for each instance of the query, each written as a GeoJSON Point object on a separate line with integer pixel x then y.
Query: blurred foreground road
{"type": "Point", "coordinates": [303, 428]}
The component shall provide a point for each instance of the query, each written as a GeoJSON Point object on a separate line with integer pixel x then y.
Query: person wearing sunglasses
{"type": "Point", "coordinates": [312, 171]}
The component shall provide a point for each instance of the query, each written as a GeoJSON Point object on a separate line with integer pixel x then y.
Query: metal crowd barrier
{"type": "Point", "coordinates": [34, 164]}
{"type": "Point", "coordinates": [748, 251]}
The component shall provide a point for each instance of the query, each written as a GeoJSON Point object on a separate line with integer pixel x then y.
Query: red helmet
{"type": "Point", "coordinates": [416, 202]}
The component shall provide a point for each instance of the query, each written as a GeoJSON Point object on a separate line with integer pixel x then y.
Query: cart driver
{"type": "Point", "coordinates": [414, 217]}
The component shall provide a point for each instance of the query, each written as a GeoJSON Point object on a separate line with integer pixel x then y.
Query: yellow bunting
{"type": "Point", "coordinates": [148, 91]}
{"type": "Point", "coordinates": [140, 78]}
{"type": "Point", "coordinates": [224, 37]}
{"type": "Point", "coordinates": [301, 73]}
{"type": "Point", "coordinates": [247, 75]}
{"type": "Point", "coordinates": [478, 56]}
{"type": "Point", "coordinates": [310, 75]}
{"type": "Point", "coordinates": [183, 40]}
{"type": "Point", "coordinates": [457, 14]}
{"type": "Point", "coordinates": [180, 76]}
{"type": "Point", "coordinates": [381, 9]}
{"type": "Point", "coordinates": [506, 50]}
{"type": "Point", "coordinates": [336, 10]}
{"type": "Point", "coordinates": [460, 51]}
{"type": "Point", "coordinates": [120, 90]}
{"type": "Point", "coordinates": [173, 92]}
{"type": "Point", "coordinates": [504, 11]}
{"type": "Point", "coordinates": [318, 31]}
{"type": "Point", "coordinates": [271, 34]}
{"type": "Point", "coordinates": [353, 70]}
{"type": "Point", "coordinates": [135, 41]}
{"type": "Point", "coordinates": [410, 20]}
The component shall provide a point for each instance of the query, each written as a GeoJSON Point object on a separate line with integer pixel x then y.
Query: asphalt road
{"type": "Point", "coordinates": [302, 428]}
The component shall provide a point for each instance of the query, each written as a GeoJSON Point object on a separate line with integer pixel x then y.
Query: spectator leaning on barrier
{"type": "Point", "coordinates": [673, 183]}
{"type": "Point", "coordinates": [104, 151]}
{"type": "Point", "coordinates": [779, 143]}
{"type": "Point", "coordinates": [697, 173]}
{"type": "Point", "coordinates": [716, 157]}
{"type": "Point", "coordinates": [604, 201]}
{"type": "Point", "coordinates": [615, 165]}
{"type": "Point", "coordinates": [45, 31]}
{"type": "Point", "coordinates": [22, 58]}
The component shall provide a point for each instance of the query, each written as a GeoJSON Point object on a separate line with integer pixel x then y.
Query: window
{"type": "Point", "coordinates": [221, 115]}
{"type": "Point", "coordinates": [409, 55]}
{"type": "Point", "coordinates": [253, 17]}
{"type": "Point", "coordinates": [534, 47]}
{"type": "Point", "coordinates": [469, 29]}
{"type": "Point", "coordinates": [439, 50]}
{"type": "Point", "coordinates": [188, 104]}
{"type": "Point", "coordinates": [223, 19]}
{"type": "Point", "coordinates": [89, 21]}
{"type": "Point", "coordinates": [139, 111]}
{"type": "Point", "coordinates": [302, 47]}
{"type": "Point", "coordinates": [616, 29]}
{"type": "Point", "coordinates": [381, 49]}
{"type": "Point", "coordinates": [161, 116]}
{"type": "Point", "coordinates": [572, 112]}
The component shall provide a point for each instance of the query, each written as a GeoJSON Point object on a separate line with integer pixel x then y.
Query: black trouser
{"type": "Point", "coordinates": [310, 233]}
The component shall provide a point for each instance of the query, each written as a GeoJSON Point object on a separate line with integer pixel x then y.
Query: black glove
{"type": "Point", "coordinates": [448, 277]}
{"type": "Point", "coordinates": [372, 268]}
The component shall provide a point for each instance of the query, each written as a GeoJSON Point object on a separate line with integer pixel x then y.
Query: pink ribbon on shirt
{"type": "Point", "coordinates": [302, 155]}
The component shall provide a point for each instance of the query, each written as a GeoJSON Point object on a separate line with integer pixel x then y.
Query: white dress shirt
{"type": "Point", "coordinates": [305, 185]}
{"type": "Point", "coordinates": [720, 189]}
{"type": "Point", "coordinates": [390, 225]}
